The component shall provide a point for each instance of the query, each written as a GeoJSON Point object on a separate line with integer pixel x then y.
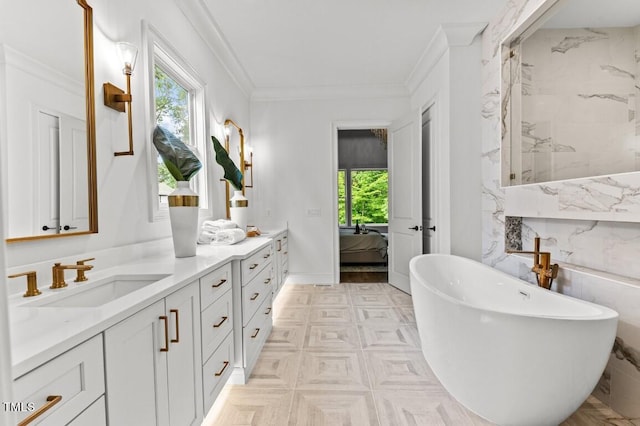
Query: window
{"type": "Point", "coordinates": [363, 197]}
{"type": "Point", "coordinates": [179, 106]}
{"type": "Point", "coordinates": [173, 113]}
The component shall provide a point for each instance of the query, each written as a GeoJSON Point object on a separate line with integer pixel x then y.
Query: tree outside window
{"type": "Point", "coordinates": [366, 198]}
{"type": "Point", "coordinates": [172, 112]}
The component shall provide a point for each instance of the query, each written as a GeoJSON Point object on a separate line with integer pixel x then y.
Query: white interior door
{"type": "Point", "coordinates": [405, 197]}
{"type": "Point", "coordinates": [48, 170]}
{"type": "Point", "coordinates": [74, 193]}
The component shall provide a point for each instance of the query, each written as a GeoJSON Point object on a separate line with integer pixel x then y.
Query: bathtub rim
{"type": "Point", "coordinates": [604, 312]}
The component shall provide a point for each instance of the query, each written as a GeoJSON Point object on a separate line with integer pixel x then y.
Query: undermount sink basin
{"type": "Point", "coordinates": [98, 293]}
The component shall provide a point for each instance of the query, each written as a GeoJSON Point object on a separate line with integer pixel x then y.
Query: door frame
{"type": "Point", "coordinates": [335, 126]}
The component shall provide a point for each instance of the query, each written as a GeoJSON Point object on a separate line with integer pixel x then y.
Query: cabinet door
{"type": "Point", "coordinates": [184, 356]}
{"type": "Point", "coordinates": [136, 369]}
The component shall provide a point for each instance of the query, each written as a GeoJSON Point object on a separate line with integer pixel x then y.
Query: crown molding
{"type": "Point", "coordinates": [328, 92]}
{"type": "Point", "coordinates": [206, 26]}
{"type": "Point", "coordinates": [446, 36]}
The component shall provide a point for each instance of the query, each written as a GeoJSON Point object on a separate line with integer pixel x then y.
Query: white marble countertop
{"type": "Point", "coordinates": [41, 333]}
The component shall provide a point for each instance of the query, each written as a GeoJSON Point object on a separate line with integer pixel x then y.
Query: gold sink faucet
{"type": "Point", "coordinates": [32, 283]}
{"type": "Point", "coordinates": [542, 267]}
{"type": "Point", "coordinates": [58, 273]}
{"type": "Point", "coordinates": [80, 276]}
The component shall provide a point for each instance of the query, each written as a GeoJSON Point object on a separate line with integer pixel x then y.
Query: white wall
{"type": "Point", "coordinates": [295, 165]}
{"type": "Point", "coordinates": [452, 85]}
{"type": "Point", "coordinates": [122, 181]}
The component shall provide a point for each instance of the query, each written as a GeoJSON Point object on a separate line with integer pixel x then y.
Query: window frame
{"type": "Point", "coordinates": [160, 52]}
{"type": "Point", "coordinates": [349, 194]}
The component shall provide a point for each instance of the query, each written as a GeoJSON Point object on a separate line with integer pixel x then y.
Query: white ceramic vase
{"type": "Point", "coordinates": [238, 206]}
{"type": "Point", "coordinates": [183, 212]}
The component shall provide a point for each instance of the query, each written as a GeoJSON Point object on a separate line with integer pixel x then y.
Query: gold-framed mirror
{"type": "Point", "coordinates": [571, 93]}
{"type": "Point", "coordinates": [49, 164]}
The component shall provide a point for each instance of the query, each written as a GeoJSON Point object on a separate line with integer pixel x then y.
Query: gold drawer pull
{"type": "Point", "coordinates": [222, 281]}
{"type": "Point", "coordinates": [220, 323]}
{"type": "Point", "coordinates": [266, 256]}
{"type": "Point", "coordinates": [267, 281]}
{"type": "Point", "coordinates": [177, 339]}
{"type": "Point", "coordinates": [226, 364]}
{"type": "Point", "coordinates": [268, 311]}
{"type": "Point", "coordinates": [286, 253]}
{"type": "Point", "coordinates": [255, 296]}
{"type": "Point", "coordinates": [51, 401]}
{"type": "Point", "coordinates": [166, 333]}
{"type": "Point", "coordinates": [253, 336]}
{"type": "Point", "coordinates": [254, 266]}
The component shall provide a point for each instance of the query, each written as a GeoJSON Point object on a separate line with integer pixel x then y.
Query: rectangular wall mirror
{"type": "Point", "coordinates": [571, 93]}
{"type": "Point", "coordinates": [49, 168]}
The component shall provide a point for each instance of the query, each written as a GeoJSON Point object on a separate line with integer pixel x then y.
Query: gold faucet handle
{"type": "Point", "coordinates": [80, 276]}
{"type": "Point", "coordinates": [32, 283]}
{"type": "Point", "coordinates": [552, 272]}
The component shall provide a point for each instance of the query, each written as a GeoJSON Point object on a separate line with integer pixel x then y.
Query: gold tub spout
{"type": "Point", "coordinates": [542, 267]}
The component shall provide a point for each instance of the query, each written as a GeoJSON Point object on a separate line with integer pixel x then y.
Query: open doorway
{"type": "Point", "coordinates": [363, 193]}
{"type": "Point", "coordinates": [428, 228]}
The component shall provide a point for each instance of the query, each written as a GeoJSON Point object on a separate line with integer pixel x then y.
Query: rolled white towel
{"type": "Point", "coordinates": [229, 236]}
{"type": "Point", "coordinates": [206, 237]}
{"type": "Point", "coordinates": [217, 225]}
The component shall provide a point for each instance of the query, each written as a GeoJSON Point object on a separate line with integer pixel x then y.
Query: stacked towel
{"type": "Point", "coordinates": [229, 236]}
{"type": "Point", "coordinates": [217, 225]}
{"type": "Point", "coordinates": [220, 232]}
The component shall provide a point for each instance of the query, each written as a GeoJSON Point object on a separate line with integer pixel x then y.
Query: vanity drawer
{"type": "Point", "coordinates": [214, 284]}
{"type": "Point", "coordinates": [216, 371]}
{"type": "Point", "coordinates": [77, 376]}
{"type": "Point", "coordinates": [95, 415]}
{"type": "Point", "coordinates": [254, 293]}
{"type": "Point", "coordinates": [217, 322]}
{"type": "Point", "coordinates": [254, 264]}
{"type": "Point", "coordinates": [256, 332]}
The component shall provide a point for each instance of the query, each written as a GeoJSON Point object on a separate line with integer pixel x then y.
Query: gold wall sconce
{"type": "Point", "coordinates": [115, 97]}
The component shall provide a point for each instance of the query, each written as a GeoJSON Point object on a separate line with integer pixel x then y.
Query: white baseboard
{"type": "Point", "coordinates": [310, 279]}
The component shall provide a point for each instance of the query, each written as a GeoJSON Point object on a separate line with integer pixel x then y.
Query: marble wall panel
{"type": "Point", "coordinates": [589, 225]}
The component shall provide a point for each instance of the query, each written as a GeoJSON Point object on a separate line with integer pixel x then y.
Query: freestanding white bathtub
{"type": "Point", "coordinates": [511, 352]}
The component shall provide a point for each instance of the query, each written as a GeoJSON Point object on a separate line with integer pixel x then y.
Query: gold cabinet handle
{"type": "Point", "coordinates": [268, 311]}
{"type": "Point", "coordinates": [222, 281]}
{"type": "Point", "coordinates": [266, 256]}
{"type": "Point", "coordinates": [279, 244]}
{"type": "Point", "coordinates": [51, 401]}
{"type": "Point", "coordinates": [267, 281]}
{"type": "Point", "coordinates": [219, 373]}
{"type": "Point", "coordinates": [166, 333]}
{"type": "Point", "coordinates": [254, 266]}
{"type": "Point", "coordinates": [253, 336]}
{"type": "Point", "coordinates": [177, 339]}
{"type": "Point", "coordinates": [220, 323]}
{"type": "Point", "coordinates": [255, 296]}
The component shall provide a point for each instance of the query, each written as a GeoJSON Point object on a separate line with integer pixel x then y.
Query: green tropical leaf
{"type": "Point", "coordinates": [181, 162]}
{"type": "Point", "coordinates": [231, 172]}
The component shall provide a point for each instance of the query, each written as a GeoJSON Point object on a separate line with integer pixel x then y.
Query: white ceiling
{"type": "Point", "coordinates": [301, 44]}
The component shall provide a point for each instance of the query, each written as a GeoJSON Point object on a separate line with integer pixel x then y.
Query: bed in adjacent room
{"type": "Point", "coordinates": [362, 248]}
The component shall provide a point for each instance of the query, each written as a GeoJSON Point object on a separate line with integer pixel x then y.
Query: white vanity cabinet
{"type": "Point", "coordinates": [281, 267]}
{"type": "Point", "coordinates": [217, 337]}
{"type": "Point", "coordinates": [153, 363]}
{"type": "Point", "coordinates": [69, 384]}
{"type": "Point", "coordinates": [252, 299]}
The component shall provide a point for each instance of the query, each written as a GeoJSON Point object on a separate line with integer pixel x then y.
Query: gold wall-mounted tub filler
{"type": "Point", "coordinates": [542, 267]}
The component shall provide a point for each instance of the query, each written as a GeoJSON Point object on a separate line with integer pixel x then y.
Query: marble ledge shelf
{"type": "Point", "coordinates": [602, 275]}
